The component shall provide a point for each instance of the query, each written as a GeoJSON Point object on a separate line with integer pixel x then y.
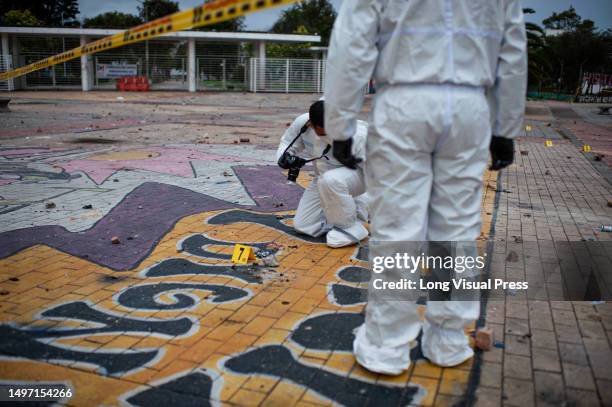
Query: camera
{"type": "Point", "coordinates": [292, 163]}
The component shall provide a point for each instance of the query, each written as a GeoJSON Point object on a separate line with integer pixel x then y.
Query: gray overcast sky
{"type": "Point", "coordinates": [599, 11]}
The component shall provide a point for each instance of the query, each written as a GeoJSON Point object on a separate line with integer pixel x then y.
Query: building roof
{"type": "Point", "coordinates": [203, 35]}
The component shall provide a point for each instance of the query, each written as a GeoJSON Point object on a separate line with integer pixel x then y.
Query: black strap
{"type": "Point", "coordinates": [302, 131]}
{"type": "Point", "coordinates": [322, 155]}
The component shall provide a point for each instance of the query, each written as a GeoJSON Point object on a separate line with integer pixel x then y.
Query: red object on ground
{"type": "Point", "coordinates": [133, 83]}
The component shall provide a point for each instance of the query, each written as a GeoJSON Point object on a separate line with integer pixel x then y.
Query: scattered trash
{"type": "Point", "coordinates": [50, 205]}
{"type": "Point", "coordinates": [139, 206]}
{"type": "Point", "coordinates": [115, 240]}
{"type": "Point", "coordinates": [130, 238]}
{"type": "Point", "coordinates": [524, 152]}
{"type": "Point", "coordinates": [88, 206]}
{"type": "Point", "coordinates": [597, 302]}
{"type": "Point", "coordinates": [278, 205]}
{"type": "Point", "coordinates": [227, 174]}
{"type": "Point", "coordinates": [223, 182]}
{"type": "Point", "coordinates": [14, 279]}
{"type": "Point", "coordinates": [245, 140]}
{"type": "Point", "coordinates": [484, 338]}
{"type": "Point", "coordinates": [512, 257]}
{"type": "Point", "coordinates": [115, 180]}
{"type": "Point", "coordinates": [499, 345]}
{"type": "Point", "coordinates": [285, 302]}
{"type": "Point", "coordinates": [120, 98]}
{"type": "Point", "coordinates": [598, 157]}
{"type": "Point", "coordinates": [518, 239]}
{"type": "Point", "coordinates": [606, 228]}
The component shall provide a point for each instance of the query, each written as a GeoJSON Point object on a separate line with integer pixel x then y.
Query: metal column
{"type": "Point", "coordinates": [191, 64]}
{"type": "Point", "coordinates": [86, 71]}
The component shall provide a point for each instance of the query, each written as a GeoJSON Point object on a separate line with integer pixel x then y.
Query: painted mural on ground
{"type": "Point", "coordinates": [164, 317]}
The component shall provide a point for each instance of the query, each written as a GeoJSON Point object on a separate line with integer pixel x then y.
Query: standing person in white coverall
{"type": "Point", "coordinates": [335, 202]}
{"type": "Point", "coordinates": [431, 128]}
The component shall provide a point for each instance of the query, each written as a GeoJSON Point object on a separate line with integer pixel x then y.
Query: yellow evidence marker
{"type": "Point", "coordinates": [586, 148]}
{"type": "Point", "coordinates": [242, 254]}
{"type": "Point", "coordinates": [528, 128]}
{"type": "Point", "coordinates": [548, 143]}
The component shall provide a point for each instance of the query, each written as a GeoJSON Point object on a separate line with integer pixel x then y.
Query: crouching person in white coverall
{"type": "Point", "coordinates": [335, 202]}
{"type": "Point", "coordinates": [431, 128]}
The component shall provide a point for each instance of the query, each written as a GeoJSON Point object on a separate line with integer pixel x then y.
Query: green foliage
{"type": "Point", "coordinates": [556, 62]}
{"type": "Point", "coordinates": [307, 17]}
{"type": "Point", "coordinates": [20, 18]}
{"type": "Point", "coordinates": [565, 20]}
{"type": "Point", "coordinates": [151, 10]}
{"type": "Point", "coordinates": [112, 19]}
{"type": "Point", "coordinates": [49, 13]}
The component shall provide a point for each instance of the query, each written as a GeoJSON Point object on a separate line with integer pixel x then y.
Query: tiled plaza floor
{"type": "Point", "coordinates": [163, 317]}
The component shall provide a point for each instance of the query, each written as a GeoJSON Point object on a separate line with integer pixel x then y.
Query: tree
{"type": "Point", "coordinates": [236, 24]}
{"type": "Point", "coordinates": [565, 20]}
{"type": "Point", "coordinates": [312, 17]}
{"type": "Point", "coordinates": [19, 18]}
{"type": "Point", "coordinates": [151, 10]}
{"type": "Point", "coordinates": [579, 48]}
{"type": "Point", "coordinates": [536, 45]}
{"type": "Point", "coordinates": [50, 13]}
{"type": "Point", "coordinates": [112, 19]}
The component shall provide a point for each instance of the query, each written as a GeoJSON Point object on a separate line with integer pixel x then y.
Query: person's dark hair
{"type": "Point", "coordinates": [316, 113]}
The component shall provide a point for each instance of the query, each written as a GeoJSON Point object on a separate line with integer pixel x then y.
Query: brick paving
{"type": "Point", "coordinates": [162, 317]}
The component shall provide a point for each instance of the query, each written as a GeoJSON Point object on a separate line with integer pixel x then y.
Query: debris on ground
{"type": "Point", "coordinates": [524, 152]}
{"type": "Point", "coordinates": [499, 345]}
{"type": "Point", "coordinates": [278, 205]}
{"type": "Point", "coordinates": [598, 157]}
{"type": "Point", "coordinates": [13, 279]}
{"type": "Point", "coordinates": [606, 228]}
{"type": "Point", "coordinates": [227, 174]}
{"type": "Point", "coordinates": [115, 240]}
{"type": "Point", "coordinates": [512, 257]}
{"type": "Point", "coordinates": [50, 205]}
{"type": "Point", "coordinates": [484, 338]}
{"type": "Point", "coordinates": [88, 206]}
{"type": "Point", "coordinates": [245, 140]}
{"type": "Point", "coordinates": [609, 203]}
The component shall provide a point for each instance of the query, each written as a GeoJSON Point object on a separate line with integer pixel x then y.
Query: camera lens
{"type": "Point", "coordinates": [292, 174]}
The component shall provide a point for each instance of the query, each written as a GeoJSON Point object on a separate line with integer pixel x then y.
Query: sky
{"type": "Point", "coordinates": [599, 11]}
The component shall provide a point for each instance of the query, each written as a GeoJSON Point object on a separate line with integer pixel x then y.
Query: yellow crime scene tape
{"type": "Point", "coordinates": [206, 14]}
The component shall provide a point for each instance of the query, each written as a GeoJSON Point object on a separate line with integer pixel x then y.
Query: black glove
{"type": "Point", "coordinates": [288, 160]}
{"type": "Point", "coordinates": [343, 152]}
{"type": "Point", "coordinates": [502, 152]}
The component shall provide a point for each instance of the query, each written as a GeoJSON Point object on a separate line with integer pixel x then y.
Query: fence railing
{"type": "Point", "coordinates": [163, 72]}
{"type": "Point", "coordinates": [222, 73]}
{"type": "Point", "coordinates": [65, 75]}
{"type": "Point", "coordinates": [286, 75]}
{"type": "Point", "coordinates": [6, 64]}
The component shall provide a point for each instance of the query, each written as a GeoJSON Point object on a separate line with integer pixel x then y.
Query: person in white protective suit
{"type": "Point", "coordinates": [335, 202]}
{"type": "Point", "coordinates": [451, 82]}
